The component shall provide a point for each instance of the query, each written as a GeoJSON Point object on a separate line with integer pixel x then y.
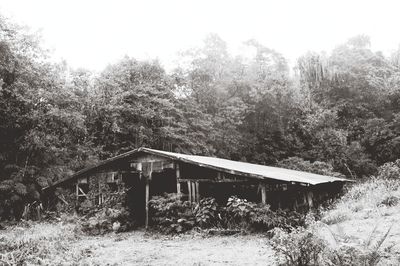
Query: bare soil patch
{"type": "Point", "coordinates": [140, 248]}
{"type": "Point", "coordinates": [64, 244]}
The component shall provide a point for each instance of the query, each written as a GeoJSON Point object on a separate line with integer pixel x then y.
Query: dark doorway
{"type": "Point", "coordinates": [163, 182]}
{"type": "Point", "coordinates": [135, 196]}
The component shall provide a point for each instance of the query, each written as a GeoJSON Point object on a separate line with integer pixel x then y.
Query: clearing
{"type": "Point", "coordinates": [365, 218]}
{"type": "Point", "coordinates": [62, 244]}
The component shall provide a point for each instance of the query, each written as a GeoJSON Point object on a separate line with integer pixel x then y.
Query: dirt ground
{"type": "Point", "coordinates": [139, 248]}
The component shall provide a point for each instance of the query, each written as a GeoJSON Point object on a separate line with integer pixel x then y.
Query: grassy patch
{"type": "Point", "coordinates": [364, 200]}
{"type": "Point", "coordinates": [40, 244]}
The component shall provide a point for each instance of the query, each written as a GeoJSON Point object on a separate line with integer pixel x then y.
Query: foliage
{"type": "Point", "coordinates": [339, 113]}
{"type": "Point", "coordinates": [207, 213]}
{"type": "Point", "coordinates": [362, 200]}
{"type": "Point", "coordinates": [298, 247]}
{"type": "Point", "coordinates": [170, 214]}
{"type": "Point", "coordinates": [259, 217]}
{"type": "Point", "coordinates": [390, 201]}
{"type": "Point", "coordinates": [107, 220]}
{"type": "Point", "coordinates": [303, 246]}
{"type": "Point", "coordinates": [296, 163]}
{"type": "Point", "coordinates": [390, 170]}
{"type": "Point", "coordinates": [40, 244]}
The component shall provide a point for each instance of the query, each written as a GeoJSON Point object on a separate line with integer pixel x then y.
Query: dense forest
{"type": "Point", "coordinates": [339, 109]}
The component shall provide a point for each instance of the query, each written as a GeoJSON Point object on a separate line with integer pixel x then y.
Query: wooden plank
{"type": "Point", "coordinates": [310, 199]}
{"type": "Point", "coordinates": [178, 176]}
{"type": "Point", "coordinates": [189, 183]}
{"type": "Point", "coordinates": [197, 192]}
{"type": "Point", "coordinates": [194, 192]}
{"type": "Point", "coordinates": [219, 181]}
{"type": "Point", "coordinates": [62, 199]}
{"type": "Point", "coordinates": [178, 171]}
{"type": "Point", "coordinates": [83, 193]}
{"type": "Point", "coordinates": [147, 202]}
{"type": "Point", "coordinates": [263, 194]}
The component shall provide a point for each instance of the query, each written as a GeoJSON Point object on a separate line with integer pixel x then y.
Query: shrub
{"type": "Point", "coordinates": [335, 216]}
{"type": "Point", "coordinates": [390, 201]}
{"type": "Point", "coordinates": [106, 221]}
{"type": "Point", "coordinates": [302, 246]}
{"type": "Point", "coordinates": [362, 198]}
{"type": "Point", "coordinates": [240, 213]}
{"type": "Point", "coordinates": [237, 213]}
{"type": "Point", "coordinates": [207, 213]}
{"type": "Point", "coordinates": [390, 170]}
{"type": "Point", "coordinates": [299, 246]}
{"type": "Point", "coordinates": [170, 214]}
{"type": "Point", "coordinates": [368, 253]}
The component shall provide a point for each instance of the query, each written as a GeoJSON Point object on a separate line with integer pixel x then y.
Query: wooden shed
{"type": "Point", "coordinates": [145, 172]}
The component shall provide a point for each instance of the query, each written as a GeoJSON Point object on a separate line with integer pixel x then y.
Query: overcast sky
{"type": "Point", "coordinates": [91, 34]}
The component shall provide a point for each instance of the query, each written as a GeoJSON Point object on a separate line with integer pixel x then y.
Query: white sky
{"type": "Point", "coordinates": [91, 34]}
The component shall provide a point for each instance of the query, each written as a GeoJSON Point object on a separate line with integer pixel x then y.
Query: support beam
{"type": "Point", "coordinates": [147, 202]}
{"type": "Point", "coordinates": [83, 193]}
{"type": "Point", "coordinates": [263, 194]}
{"type": "Point", "coordinates": [194, 192]}
{"type": "Point", "coordinates": [178, 177]}
{"type": "Point", "coordinates": [197, 192]}
{"type": "Point", "coordinates": [219, 181]}
{"type": "Point", "coordinates": [189, 183]}
{"type": "Point", "coordinates": [310, 199]}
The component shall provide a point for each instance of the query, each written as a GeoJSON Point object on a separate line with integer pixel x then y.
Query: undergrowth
{"type": "Point", "coordinates": [304, 246]}
{"type": "Point", "coordinates": [32, 243]}
{"type": "Point", "coordinates": [171, 214]}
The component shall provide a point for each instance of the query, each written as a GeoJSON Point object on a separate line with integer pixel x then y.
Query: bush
{"type": "Point", "coordinates": [107, 220]}
{"type": "Point", "coordinates": [390, 170]}
{"type": "Point", "coordinates": [363, 198]}
{"type": "Point", "coordinates": [258, 217]}
{"type": "Point", "coordinates": [170, 214]}
{"type": "Point", "coordinates": [298, 247]}
{"type": "Point", "coordinates": [208, 213]}
{"type": "Point", "coordinates": [390, 201]}
{"type": "Point", "coordinates": [302, 246]}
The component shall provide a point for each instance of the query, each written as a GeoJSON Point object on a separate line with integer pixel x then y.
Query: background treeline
{"type": "Point", "coordinates": [340, 111]}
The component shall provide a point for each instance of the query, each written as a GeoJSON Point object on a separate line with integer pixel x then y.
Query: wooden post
{"type": "Point", "coordinates": [39, 215]}
{"type": "Point", "coordinates": [147, 202]}
{"type": "Point", "coordinates": [310, 199]}
{"type": "Point", "coordinates": [263, 194]}
{"type": "Point", "coordinates": [77, 191]}
{"type": "Point", "coordinates": [189, 190]}
{"type": "Point", "coordinates": [295, 205]}
{"type": "Point", "coordinates": [197, 192]}
{"type": "Point", "coordinates": [194, 192]}
{"type": "Point", "coordinates": [178, 176]}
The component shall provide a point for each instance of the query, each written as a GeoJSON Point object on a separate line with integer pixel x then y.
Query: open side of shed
{"type": "Point", "coordinates": [144, 173]}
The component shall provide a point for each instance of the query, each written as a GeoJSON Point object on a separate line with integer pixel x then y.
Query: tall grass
{"type": "Point", "coordinates": [40, 244]}
{"type": "Point", "coordinates": [364, 200]}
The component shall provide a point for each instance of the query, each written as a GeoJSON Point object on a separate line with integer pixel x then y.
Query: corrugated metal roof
{"type": "Point", "coordinates": [249, 170]}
